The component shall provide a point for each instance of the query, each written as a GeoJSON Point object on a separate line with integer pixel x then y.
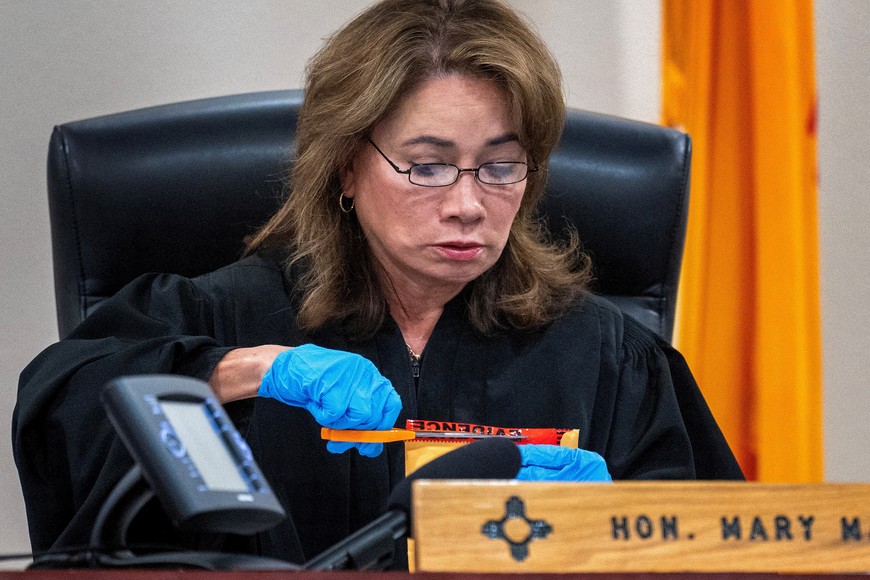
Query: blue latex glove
{"type": "Point", "coordinates": [557, 463]}
{"type": "Point", "coordinates": [340, 389]}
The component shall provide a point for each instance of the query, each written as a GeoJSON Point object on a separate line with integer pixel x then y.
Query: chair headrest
{"type": "Point", "coordinates": [176, 188]}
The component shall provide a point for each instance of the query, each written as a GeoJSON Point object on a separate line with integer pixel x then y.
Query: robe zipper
{"type": "Point", "coordinates": [415, 367]}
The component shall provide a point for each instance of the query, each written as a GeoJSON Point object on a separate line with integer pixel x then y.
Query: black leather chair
{"type": "Point", "coordinates": [176, 188]}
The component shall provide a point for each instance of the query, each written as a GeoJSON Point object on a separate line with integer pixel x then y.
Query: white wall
{"type": "Point", "coordinates": [61, 61]}
{"type": "Point", "coordinates": [843, 73]}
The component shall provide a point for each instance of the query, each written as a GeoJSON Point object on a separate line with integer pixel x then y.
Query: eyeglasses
{"type": "Point", "coordinates": [444, 174]}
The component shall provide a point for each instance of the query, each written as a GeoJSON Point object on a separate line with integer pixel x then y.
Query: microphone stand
{"type": "Point", "coordinates": [372, 547]}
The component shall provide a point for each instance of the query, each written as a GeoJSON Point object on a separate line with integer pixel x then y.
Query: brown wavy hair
{"type": "Point", "coordinates": [357, 78]}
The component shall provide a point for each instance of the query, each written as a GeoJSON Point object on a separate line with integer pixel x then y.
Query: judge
{"type": "Point", "coordinates": [406, 276]}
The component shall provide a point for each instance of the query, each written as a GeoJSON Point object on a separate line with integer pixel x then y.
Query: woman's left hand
{"type": "Point", "coordinates": [557, 463]}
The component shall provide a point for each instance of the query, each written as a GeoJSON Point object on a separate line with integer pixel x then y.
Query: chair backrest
{"type": "Point", "coordinates": [175, 188]}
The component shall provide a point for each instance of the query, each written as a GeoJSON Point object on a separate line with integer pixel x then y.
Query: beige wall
{"type": "Point", "coordinates": [843, 76]}
{"type": "Point", "coordinates": [61, 61]}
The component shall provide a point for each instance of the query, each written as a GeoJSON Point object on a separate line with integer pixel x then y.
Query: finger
{"type": "Point", "coordinates": [326, 416]}
{"type": "Point", "coordinates": [551, 456]}
{"type": "Point", "coordinates": [332, 407]}
{"type": "Point", "coordinates": [392, 408]}
{"type": "Point", "coordinates": [592, 467]}
{"type": "Point", "coordinates": [372, 405]}
{"type": "Point", "coordinates": [382, 407]}
{"type": "Point", "coordinates": [363, 408]}
{"type": "Point", "coordinates": [338, 447]}
{"type": "Point", "coordinates": [597, 471]}
{"type": "Point", "coordinates": [534, 473]}
{"type": "Point", "coordinates": [346, 402]}
{"type": "Point", "coordinates": [370, 449]}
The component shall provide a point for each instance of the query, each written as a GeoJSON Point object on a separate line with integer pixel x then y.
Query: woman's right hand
{"type": "Point", "coordinates": [342, 390]}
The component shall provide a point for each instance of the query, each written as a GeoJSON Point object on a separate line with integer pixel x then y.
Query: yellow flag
{"type": "Point", "coordinates": [739, 77]}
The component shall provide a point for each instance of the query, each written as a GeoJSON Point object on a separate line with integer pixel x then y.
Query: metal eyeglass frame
{"type": "Point", "coordinates": [459, 170]}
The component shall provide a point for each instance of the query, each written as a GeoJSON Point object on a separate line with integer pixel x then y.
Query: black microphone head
{"type": "Point", "coordinates": [494, 458]}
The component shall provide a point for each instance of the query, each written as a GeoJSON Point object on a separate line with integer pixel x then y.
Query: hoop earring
{"type": "Point", "coordinates": [341, 199]}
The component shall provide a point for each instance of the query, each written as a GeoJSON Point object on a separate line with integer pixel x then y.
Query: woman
{"type": "Point", "coordinates": [404, 278]}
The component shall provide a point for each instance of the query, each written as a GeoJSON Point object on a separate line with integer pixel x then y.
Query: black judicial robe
{"type": "Point", "coordinates": [630, 394]}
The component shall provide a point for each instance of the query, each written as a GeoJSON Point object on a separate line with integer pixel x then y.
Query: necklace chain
{"type": "Point", "coordinates": [411, 352]}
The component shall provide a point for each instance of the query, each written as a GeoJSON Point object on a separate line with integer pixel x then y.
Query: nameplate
{"type": "Point", "coordinates": [509, 526]}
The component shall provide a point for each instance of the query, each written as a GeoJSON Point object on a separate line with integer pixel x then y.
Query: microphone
{"type": "Point", "coordinates": [372, 547]}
